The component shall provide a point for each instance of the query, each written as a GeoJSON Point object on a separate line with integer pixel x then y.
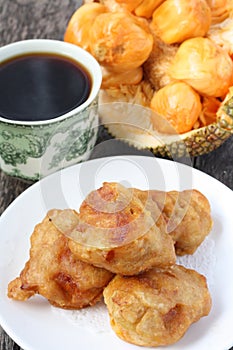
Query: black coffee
{"type": "Point", "coordinates": [36, 87]}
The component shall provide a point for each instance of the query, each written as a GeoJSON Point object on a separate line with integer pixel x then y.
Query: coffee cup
{"type": "Point", "coordinates": [48, 106]}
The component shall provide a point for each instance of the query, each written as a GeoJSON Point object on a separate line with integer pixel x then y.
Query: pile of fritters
{"type": "Point", "coordinates": [122, 245]}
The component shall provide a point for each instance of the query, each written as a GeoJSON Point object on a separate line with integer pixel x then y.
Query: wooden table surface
{"type": "Point", "coordinates": [27, 19]}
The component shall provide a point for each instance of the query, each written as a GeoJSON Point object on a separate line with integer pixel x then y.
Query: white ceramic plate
{"type": "Point", "coordinates": [35, 325]}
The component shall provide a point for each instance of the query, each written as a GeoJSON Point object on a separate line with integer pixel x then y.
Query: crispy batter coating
{"type": "Point", "coordinates": [135, 241]}
{"type": "Point", "coordinates": [156, 307]}
{"type": "Point", "coordinates": [187, 214]}
{"type": "Point", "coordinates": [55, 273]}
{"type": "Point", "coordinates": [118, 230]}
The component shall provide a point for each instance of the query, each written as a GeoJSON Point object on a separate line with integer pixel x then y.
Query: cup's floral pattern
{"type": "Point", "coordinates": [30, 146]}
{"type": "Point", "coordinates": [76, 148]}
{"type": "Point", "coordinates": [65, 142]}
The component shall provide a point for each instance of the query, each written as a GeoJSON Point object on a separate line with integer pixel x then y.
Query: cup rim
{"type": "Point", "coordinates": [68, 50]}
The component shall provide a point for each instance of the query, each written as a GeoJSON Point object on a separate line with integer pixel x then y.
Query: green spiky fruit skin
{"type": "Point", "coordinates": [199, 142]}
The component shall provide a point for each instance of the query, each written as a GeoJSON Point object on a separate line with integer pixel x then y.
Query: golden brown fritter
{"type": "Point", "coordinates": [126, 239]}
{"type": "Point", "coordinates": [55, 273]}
{"type": "Point", "coordinates": [156, 307]}
{"type": "Point", "coordinates": [187, 215]}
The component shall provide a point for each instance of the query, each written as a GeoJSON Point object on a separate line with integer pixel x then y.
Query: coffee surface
{"type": "Point", "coordinates": [37, 87]}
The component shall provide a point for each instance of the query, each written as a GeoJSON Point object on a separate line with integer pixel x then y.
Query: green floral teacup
{"type": "Point", "coordinates": [32, 149]}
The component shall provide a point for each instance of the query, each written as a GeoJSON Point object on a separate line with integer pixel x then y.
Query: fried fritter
{"type": "Point", "coordinates": [55, 273]}
{"type": "Point", "coordinates": [126, 239]}
{"type": "Point", "coordinates": [156, 307]}
{"type": "Point", "coordinates": [187, 215]}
